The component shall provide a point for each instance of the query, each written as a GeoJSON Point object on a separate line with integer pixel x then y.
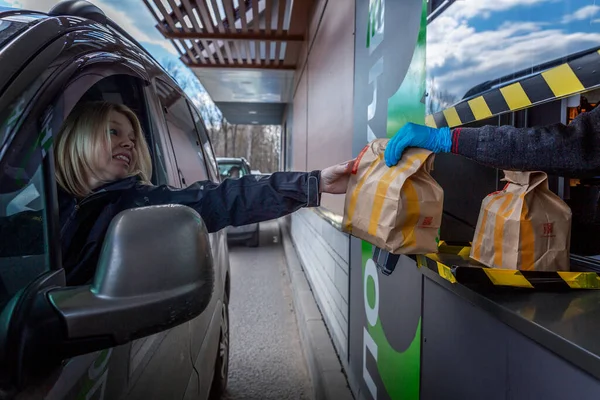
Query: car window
{"type": "Point", "coordinates": [211, 161]}
{"type": "Point", "coordinates": [23, 218]}
{"type": "Point", "coordinates": [184, 138]}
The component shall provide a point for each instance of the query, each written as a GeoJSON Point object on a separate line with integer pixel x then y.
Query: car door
{"type": "Point", "coordinates": [33, 109]}
{"type": "Point", "coordinates": [29, 249]}
{"type": "Point", "coordinates": [191, 167]}
{"type": "Point", "coordinates": [220, 249]}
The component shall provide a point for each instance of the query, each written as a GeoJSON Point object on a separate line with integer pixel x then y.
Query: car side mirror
{"type": "Point", "coordinates": [155, 271]}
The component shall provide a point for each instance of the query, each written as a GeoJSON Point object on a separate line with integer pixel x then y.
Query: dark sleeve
{"type": "Point", "coordinates": [247, 200]}
{"type": "Point", "coordinates": [556, 149]}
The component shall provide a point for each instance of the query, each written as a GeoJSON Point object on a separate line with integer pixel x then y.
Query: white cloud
{"type": "Point", "coordinates": [484, 8]}
{"type": "Point", "coordinates": [122, 18]}
{"type": "Point", "coordinates": [463, 57]}
{"type": "Point", "coordinates": [584, 13]}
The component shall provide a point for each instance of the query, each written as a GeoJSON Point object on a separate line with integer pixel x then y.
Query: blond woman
{"type": "Point", "coordinates": [103, 167]}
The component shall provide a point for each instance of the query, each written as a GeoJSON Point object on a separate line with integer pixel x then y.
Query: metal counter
{"type": "Point", "coordinates": [514, 343]}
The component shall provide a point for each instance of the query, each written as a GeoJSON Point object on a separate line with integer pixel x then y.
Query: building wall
{"type": "Point", "coordinates": [321, 135]}
{"type": "Point", "coordinates": [323, 251]}
{"type": "Point", "coordinates": [322, 107]}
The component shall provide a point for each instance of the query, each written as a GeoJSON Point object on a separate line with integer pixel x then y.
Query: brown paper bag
{"type": "Point", "coordinates": [524, 226]}
{"type": "Point", "coordinates": [398, 209]}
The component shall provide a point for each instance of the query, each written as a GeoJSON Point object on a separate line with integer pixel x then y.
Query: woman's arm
{"type": "Point", "coordinates": [247, 200]}
{"type": "Point", "coordinates": [250, 199]}
{"type": "Point", "coordinates": [557, 149]}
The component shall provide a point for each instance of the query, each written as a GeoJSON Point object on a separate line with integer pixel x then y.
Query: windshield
{"type": "Point", "coordinates": [232, 170]}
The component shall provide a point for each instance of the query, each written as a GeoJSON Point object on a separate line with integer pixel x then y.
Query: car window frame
{"type": "Point", "coordinates": [47, 102]}
{"type": "Point", "coordinates": [182, 182]}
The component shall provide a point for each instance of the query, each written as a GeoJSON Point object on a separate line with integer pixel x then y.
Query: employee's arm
{"type": "Point", "coordinates": [557, 149]}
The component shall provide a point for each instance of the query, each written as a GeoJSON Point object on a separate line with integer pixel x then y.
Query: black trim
{"type": "Point", "coordinates": [524, 73]}
{"type": "Point", "coordinates": [440, 119]}
{"type": "Point", "coordinates": [537, 89]}
{"type": "Point", "coordinates": [496, 102]}
{"type": "Point", "coordinates": [464, 112]}
{"type": "Point", "coordinates": [586, 69]}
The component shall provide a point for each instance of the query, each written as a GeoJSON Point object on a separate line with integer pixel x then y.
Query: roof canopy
{"type": "Point", "coordinates": [243, 51]}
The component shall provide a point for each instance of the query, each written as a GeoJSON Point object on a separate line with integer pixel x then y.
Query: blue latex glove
{"type": "Point", "coordinates": [414, 135]}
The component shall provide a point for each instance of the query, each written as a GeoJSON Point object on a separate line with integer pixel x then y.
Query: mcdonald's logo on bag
{"type": "Point", "coordinates": [427, 221]}
{"type": "Point", "coordinates": [548, 229]}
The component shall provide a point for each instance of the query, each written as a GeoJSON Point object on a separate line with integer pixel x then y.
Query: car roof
{"type": "Point", "coordinates": [31, 18]}
{"type": "Point", "coordinates": [13, 22]}
{"type": "Point", "coordinates": [231, 160]}
{"type": "Point", "coordinates": [42, 28]}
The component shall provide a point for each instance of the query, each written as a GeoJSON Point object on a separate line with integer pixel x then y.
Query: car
{"type": "Point", "coordinates": [232, 167]}
{"type": "Point", "coordinates": [154, 323]}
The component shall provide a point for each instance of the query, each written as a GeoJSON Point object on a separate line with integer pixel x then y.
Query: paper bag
{"type": "Point", "coordinates": [524, 226]}
{"type": "Point", "coordinates": [398, 209]}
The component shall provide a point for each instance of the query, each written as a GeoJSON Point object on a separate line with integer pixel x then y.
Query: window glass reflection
{"type": "Point", "coordinates": [474, 46]}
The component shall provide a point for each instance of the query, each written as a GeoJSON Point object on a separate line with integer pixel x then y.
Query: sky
{"type": "Point", "coordinates": [137, 20]}
{"type": "Point", "coordinates": [474, 41]}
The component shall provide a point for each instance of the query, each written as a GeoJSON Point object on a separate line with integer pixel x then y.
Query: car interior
{"type": "Point", "coordinates": [22, 253]}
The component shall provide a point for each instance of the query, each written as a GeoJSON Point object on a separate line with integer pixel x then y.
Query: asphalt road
{"type": "Point", "coordinates": [266, 360]}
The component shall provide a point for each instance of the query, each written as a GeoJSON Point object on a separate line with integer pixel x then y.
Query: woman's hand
{"type": "Point", "coordinates": [334, 179]}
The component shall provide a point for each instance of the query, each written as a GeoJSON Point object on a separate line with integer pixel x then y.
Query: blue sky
{"type": "Point", "coordinates": [474, 41]}
{"type": "Point", "coordinates": [133, 16]}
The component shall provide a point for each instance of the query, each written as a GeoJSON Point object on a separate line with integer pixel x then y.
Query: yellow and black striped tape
{"type": "Point", "coordinates": [575, 76]}
{"type": "Point", "coordinates": [483, 277]}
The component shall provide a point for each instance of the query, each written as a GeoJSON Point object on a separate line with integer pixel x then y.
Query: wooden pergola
{"type": "Point", "coordinates": [263, 34]}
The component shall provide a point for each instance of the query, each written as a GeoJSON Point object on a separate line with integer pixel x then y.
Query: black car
{"type": "Point", "coordinates": [153, 324]}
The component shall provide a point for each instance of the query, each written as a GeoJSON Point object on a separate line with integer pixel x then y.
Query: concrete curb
{"type": "Point", "coordinates": [324, 367]}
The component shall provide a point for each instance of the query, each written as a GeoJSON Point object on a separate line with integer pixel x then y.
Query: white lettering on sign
{"type": "Point", "coordinates": [369, 344]}
{"type": "Point", "coordinates": [372, 312]}
{"type": "Point", "coordinates": [374, 72]}
{"type": "Point", "coordinates": [375, 38]}
{"type": "Point", "coordinates": [372, 316]}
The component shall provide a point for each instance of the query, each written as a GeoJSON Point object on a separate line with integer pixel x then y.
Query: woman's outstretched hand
{"type": "Point", "coordinates": [334, 179]}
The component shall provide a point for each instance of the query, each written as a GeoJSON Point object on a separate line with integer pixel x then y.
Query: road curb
{"type": "Point", "coordinates": [324, 367]}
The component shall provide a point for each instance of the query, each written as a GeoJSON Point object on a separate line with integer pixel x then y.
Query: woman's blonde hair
{"type": "Point", "coordinates": [82, 139]}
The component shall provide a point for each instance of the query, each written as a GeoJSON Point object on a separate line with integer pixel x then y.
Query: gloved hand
{"type": "Point", "coordinates": [414, 135]}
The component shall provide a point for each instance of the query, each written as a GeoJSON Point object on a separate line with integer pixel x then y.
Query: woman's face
{"type": "Point", "coordinates": [117, 162]}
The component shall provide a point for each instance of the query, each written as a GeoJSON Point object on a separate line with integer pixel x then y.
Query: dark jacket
{"type": "Point", "coordinates": [233, 202]}
{"type": "Point", "coordinates": [557, 149]}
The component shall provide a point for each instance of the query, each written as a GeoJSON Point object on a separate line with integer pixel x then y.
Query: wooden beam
{"type": "Point", "coordinates": [207, 24]}
{"type": "Point", "coordinates": [196, 27]}
{"type": "Point", "coordinates": [255, 28]}
{"type": "Point", "coordinates": [233, 35]}
{"type": "Point", "coordinates": [220, 28]}
{"type": "Point", "coordinates": [242, 4]}
{"type": "Point", "coordinates": [228, 5]}
{"type": "Point", "coordinates": [180, 18]}
{"type": "Point", "coordinates": [238, 66]}
{"type": "Point", "coordinates": [171, 24]}
{"type": "Point", "coordinates": [280, 20]}
{"type": "Point", "coordinates": [268, 20]}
